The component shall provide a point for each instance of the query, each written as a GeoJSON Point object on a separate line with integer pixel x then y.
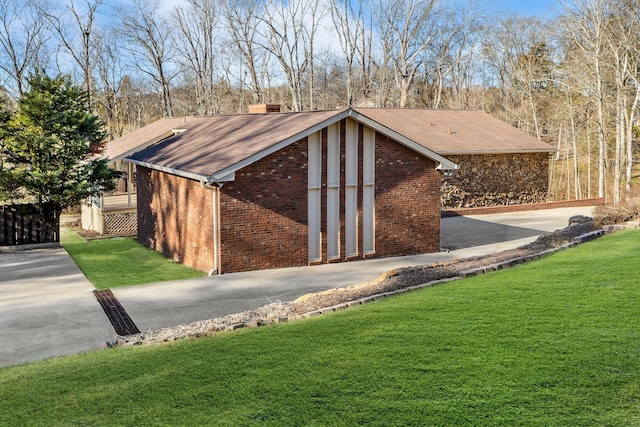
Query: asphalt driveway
{"type": "Point", "coordinates": [47, 307]}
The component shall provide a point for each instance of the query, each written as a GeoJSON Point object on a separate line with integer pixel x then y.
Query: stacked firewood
{"type": "Point", "coordinates": [453, 197]}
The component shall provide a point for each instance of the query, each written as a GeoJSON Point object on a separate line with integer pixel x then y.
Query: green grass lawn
{"type": "Point", "coordinates": [554, 342]}
{"type": "Point", "coordinates": [109, 263]}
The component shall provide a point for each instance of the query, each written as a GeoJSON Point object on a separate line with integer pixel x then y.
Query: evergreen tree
{"type": "Point", "coordinates": [51, 148]}
{"type": "Point", "coordinates": [5, 190]}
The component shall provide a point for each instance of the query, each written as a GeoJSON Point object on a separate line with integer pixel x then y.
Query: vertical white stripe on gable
{"type": "Point", "coordinates": [351, 189]}
{"type": "Point", "coordinates": [314, 164]}
{"type": "Point", "coordinates": [368, 190]}
{"type": "Point", "coordinates": [333, 191]}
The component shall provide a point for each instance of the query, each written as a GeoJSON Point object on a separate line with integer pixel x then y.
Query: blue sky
{"type": "Point", "coordinates": [538, 8]}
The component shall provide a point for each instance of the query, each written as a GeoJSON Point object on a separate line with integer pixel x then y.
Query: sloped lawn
{"type": "Point", "coordinates": [554, 342]}
{"type": "Point", "coordinates": [109, 263]}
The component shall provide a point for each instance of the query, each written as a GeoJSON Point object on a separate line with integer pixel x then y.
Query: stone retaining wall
{"type": "Point", "coordinates": [495, 179]}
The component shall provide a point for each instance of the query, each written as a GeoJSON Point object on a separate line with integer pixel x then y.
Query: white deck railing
{"type": "Point", "coordinates": [115, 202]}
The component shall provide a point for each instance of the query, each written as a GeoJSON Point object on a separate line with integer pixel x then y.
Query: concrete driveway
{"type": "Point", "coordinates": [47, 307]}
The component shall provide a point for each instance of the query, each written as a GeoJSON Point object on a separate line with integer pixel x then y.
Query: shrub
{"type": "Point", "coordinates": [610, 215]}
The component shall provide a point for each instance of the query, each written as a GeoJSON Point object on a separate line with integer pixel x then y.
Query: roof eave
{"type": "Point", "coordinates": [172, 171]}
{"type": "Point", "coordinates": [514, 151]}
{"type": "Point", "coordinates": [441, 162]}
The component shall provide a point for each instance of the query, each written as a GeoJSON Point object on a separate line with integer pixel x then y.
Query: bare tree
{"type": "Point", "coordinates": [633, 73]}
{"type": "Point", "coordinates": [532, 75]}
{"type": "Point", "coordinates": [620, 55]}
{"type": "Point", "coordinates": [124, 102]}
{"type": "Point", "coordinates": [197, 39]}
{"type": "Point", "coordinates": [315, 14]}
{"type": "Point", "coordinates": [585, 24]}
{"type": "Point", "coordinates": [521, 61]}
{"type": "Point", "coordinates": [23, 37]}
{"type": "Point", "coordinates": [449, 56]}
{"type": "Point", "coordinates": [623, 39]}
{"type": "Point", "coordinates": [406, 30]}
{"type": "Point", "coordinates": [287, 32]}
{"type": "Point", "coordinates": [349, 23]}
{"type": "Point", "coordinates": [107, 84]}
{"type": "Point", "coordinates": [76, 37]}
{"type": "Point", "coordinates": [149, 43]}
{"type": "Point", "coordinates": [242, 22]}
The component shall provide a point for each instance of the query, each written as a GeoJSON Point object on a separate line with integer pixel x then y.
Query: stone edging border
{"type": "Point", "coordinates": [521, 260]}
{"type": "Point", "coordinates": [465, 273]}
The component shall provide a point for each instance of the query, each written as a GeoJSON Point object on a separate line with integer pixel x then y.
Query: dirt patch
{"type": "Point", "coordinates": [86, 234]}
{"type": "Point", "coordinates": [391, 281]}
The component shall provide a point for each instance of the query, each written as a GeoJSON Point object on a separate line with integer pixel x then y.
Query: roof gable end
{"type": "Point", "coordinates": [442, 163]}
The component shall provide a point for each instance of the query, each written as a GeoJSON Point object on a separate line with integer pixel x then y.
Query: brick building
{"type": "Point", "coordinates": [271, 190]}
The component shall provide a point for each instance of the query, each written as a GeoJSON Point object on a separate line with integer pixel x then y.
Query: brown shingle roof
{"type": "Point", "coordinates": [143, 137]}
{"type": "Point", "coordinates": [214, 147]}
{"type": "Point", "coordinates": [450, 132]}
{"type": "Point", "coordinates": [210, 145]}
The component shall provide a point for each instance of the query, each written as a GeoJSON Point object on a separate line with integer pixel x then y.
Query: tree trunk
{"type": "Point", "coordinates": [601, 132]}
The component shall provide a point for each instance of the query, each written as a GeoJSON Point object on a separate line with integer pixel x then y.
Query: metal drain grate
{"type": "Point", "coordinates": [116, 314]}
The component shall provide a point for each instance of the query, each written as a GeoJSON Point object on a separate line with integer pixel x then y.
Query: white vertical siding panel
{"type": "Point", "coordinates": [333, 191]}
{"type": "Point", "coordinates": [368, 191]}
{"type": "Point", "coordinates": [351, 190]}
{"type": "Point", "coordinates": [314, 164]}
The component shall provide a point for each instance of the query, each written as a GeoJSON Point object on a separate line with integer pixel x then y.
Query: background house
{"type": "Point", "coordinates": [258, 191]}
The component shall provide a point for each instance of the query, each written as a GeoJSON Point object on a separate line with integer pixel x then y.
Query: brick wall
{"type": "Point", "coordinates": [264, 213]}
{"type": "Point", "coordinates": [496, 179]}
{"type": "Point", "coordinates": [407, 195]}
{"type": "Point", "coordinates": [486, 210]}
{"type": "Point", "coordinates": [175, 218]}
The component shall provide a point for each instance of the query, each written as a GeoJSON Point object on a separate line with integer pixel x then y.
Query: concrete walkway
{"type": "Point", "coordinates": [47, 308]}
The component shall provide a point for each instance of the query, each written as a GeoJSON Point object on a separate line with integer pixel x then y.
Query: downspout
{"type": "Point", "coordinates": [129, 183]}
{"type": "Point", "coordinates": [216, 230]}
{"type": "Point", "coordinates": [215, 215]}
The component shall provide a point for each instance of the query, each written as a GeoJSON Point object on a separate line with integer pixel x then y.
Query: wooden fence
{"type": "Point", "coordinates": [20, 225]}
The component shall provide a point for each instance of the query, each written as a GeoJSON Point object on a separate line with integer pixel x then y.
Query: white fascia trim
{"type": "Point", "coordinates": [229, 178]}
{"type": "Point", "coordinates": [442, 163]}
{"type": "Point", "coordinates": [171, 171]}
{"type": "Point", "coordinates": [276, 147]}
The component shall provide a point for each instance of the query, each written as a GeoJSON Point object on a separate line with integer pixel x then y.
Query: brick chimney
{"type": "Point", "coordinates": [264, 108]}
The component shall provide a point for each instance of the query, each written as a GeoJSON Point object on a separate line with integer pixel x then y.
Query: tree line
{"type": "Point", "coordinates": [570, 79]}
